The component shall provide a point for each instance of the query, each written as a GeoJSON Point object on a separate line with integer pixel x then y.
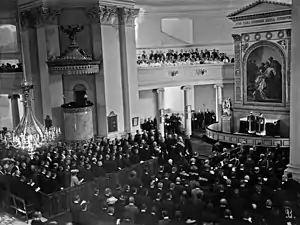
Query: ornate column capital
{"type": "Point", "coordinates": [39, 16]}
{"type": "Point", "coordinates": [104, 14]}
{"type": "Point", "coordinates": [237, 37]}
{"type": "Point", "coordinates": [128, 15]}
{"type": "Point", "coordinates": [13, 96]}
{"type": "Point", "coordinates": [186, 88]}
{"type": "Point", "coordinates": [218, 86]}
{"type": "Point", "coordinates": [158, 90]}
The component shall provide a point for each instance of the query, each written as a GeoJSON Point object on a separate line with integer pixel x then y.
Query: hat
{"type": "Point", "coordinates": [74, 171]}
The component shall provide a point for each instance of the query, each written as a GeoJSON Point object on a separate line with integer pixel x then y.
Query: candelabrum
{"type": "Point", "coordinates": [30, 134]}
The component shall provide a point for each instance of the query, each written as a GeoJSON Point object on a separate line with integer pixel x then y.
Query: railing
{"type": "Point", "coordinates": [185, 75]}
{"type": "Point", "coordinates": [59, 202]}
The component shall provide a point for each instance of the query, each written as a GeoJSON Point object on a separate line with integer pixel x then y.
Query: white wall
{"type": "Point", "coordinates": [5, 112]}
{"type": "Point", "coordinates": [147, 104]}
{"type": "Point", "coordinates": [228, 91]}
{"type": "Point", "coordinates": [174, 99]}
{"type": "Point", "coordinates": [205, 95]}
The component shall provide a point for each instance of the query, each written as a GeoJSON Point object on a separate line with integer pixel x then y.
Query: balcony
{"type": "Point", "coordinates": [168, 76]}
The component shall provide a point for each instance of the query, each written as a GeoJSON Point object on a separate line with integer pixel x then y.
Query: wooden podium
{"type": "Point", "coordinates": [226, 124]}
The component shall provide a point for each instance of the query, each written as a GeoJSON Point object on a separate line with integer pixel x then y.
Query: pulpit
{"type": "Point", "coordinates": [226, 124]}
{"type": "Point", "coordinates": [78, 120]}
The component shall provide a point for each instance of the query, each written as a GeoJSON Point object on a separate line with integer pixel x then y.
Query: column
{"type": "Point", "coordinates": [220, 99]}
{"type": "Point", "coordinates": [187, 110]}
{"type": "Point", "coordinates": [217, 102]}
{"type": "Point", "coordinates": [294, 166]}
{"type": "Point", "coordinates": [160, 110]}
{"type": "Point", "coordinates": [34, 22]}
{"type": "Point", "coordinates": [15, 109]}
{"type": "Point", "coordinates": [128, 65]}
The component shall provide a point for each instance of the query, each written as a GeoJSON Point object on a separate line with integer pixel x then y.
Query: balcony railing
{"type": "Point", "coordinates": [155, 77]}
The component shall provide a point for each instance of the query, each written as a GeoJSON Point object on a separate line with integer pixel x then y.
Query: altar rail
{"type": "Point", "coordinates": [202, 74]}
{"type": "Point", "coordinates": [58, 203]}
{"type": "Point", "coordinates": [213, 132]}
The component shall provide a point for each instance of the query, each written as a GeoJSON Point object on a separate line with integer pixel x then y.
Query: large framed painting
{"type": "Point", "coordinates": [264, 75]}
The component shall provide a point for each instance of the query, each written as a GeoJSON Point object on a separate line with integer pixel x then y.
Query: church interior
{"type": "Point", "coordinates": [144, 112]}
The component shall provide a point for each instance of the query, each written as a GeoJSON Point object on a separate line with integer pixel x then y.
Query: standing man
{"type": "Point", "coordinates": [261, 123]}
{"type": "Point", "coordinates": [251, 124]}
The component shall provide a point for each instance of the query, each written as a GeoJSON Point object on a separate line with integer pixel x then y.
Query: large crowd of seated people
{"type": "Point", "coordinates": [182, 57]}
{"type": "Point", "coordinates": [58, 167]}
{"type": "Point", "coordinates": [236, 185]}
{"type": "Point", "coordinates": [8, 68]}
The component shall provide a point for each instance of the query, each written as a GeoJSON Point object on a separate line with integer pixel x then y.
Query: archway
{"type": "Point", "coordinates": [79, 94]}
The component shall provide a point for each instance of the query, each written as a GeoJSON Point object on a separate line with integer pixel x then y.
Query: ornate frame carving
{"type": "Point", "coordinates": [285, 86]}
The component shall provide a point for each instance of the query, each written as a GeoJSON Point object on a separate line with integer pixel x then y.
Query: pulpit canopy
{"type": "Point", "coordinates": [74, 60]}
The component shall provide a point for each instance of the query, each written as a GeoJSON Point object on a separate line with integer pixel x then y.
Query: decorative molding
{"type": "Point", "coordinates": [128, 15]}
{"type": "Point", "coordinates": [173, 73]}
{"type": "Point", "coordinates": [77, 110]}
{"type": "Point", "coordinates": [280, 34]}
{"type": "Point", "coordinates": [200, 72]}
{"type": "Point", "coordinates": [39, 16]}
{"type": "Point", "coordinates": [288, 33]}
{"type": "Point", "coordinates": [245, 46]}
{"type": "Point", "coordinates": [237, 37]}
{"type": "Point", "coordinates": [249, 140]}
{"type": "Point", "coordinates": [257, 36]}
{"type": "Point", "coordinates": [108, 15]}
{"type": "Point", "coordinates": [269, 35]}
{"type": "Point", "coordinates": [237, 67]}
{"type": "Point", "coordinates": [158, 90]}
{"type": "Point", "coordinates": [282, 43]}
{"type": "Point", "coordinates": [186, 88]}
{"type": "Point", "coordinates": [14, 96]}
{"type": "Point", "coordinates": [246, 37]}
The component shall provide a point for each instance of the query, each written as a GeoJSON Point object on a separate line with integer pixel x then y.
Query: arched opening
{"type": "Point", "coordinates": [80, 94]}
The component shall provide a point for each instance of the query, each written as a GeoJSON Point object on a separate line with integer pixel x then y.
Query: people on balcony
{"type": "Point", "coordinates": [10, 68]}
{"type": "Point", "coordinates": [184, 57]}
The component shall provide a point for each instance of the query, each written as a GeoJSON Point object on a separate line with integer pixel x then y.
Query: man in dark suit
{"type": "Point", "coordinates": [130, 212]}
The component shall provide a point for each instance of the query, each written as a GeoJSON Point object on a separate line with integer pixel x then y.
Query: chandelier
{"type": "Point", "coordinates": [30, 134]}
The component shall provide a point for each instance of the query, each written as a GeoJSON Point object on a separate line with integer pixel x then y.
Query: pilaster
{"type": "Point", "coordinates": [106, 48]}
{"type": "Point", "coordinates": [294, 164]}
{"type": "Point", "coordinates": [34, 23]}
{"type": "Point", "coordinates": [128, 65]}
{"type": "Point", "coordinates": [237, 68]}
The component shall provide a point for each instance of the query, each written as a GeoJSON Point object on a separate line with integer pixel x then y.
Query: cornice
{"type": "Point", "coordinates": [261, 15]}
{"type": "Point", "coordinates": [38, 16]}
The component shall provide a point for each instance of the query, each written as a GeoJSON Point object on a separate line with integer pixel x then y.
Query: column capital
{"type": "Point", "coordinates": [186, 88]}
{"type": "Point", "coordinates": [13, 96]}
{"type": "Point", "coordinates": [218, 86]}
{"type": "Point", "coordinates": [39, 16]}
{"type": "Point", "coordinates": [128, 15]}
{"type": "Point", "coordinates": [236, 37]}
{"type": "Point", "coordinates": [158, 90]}
{"type": "Point", "coordinates": [103, 14]}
